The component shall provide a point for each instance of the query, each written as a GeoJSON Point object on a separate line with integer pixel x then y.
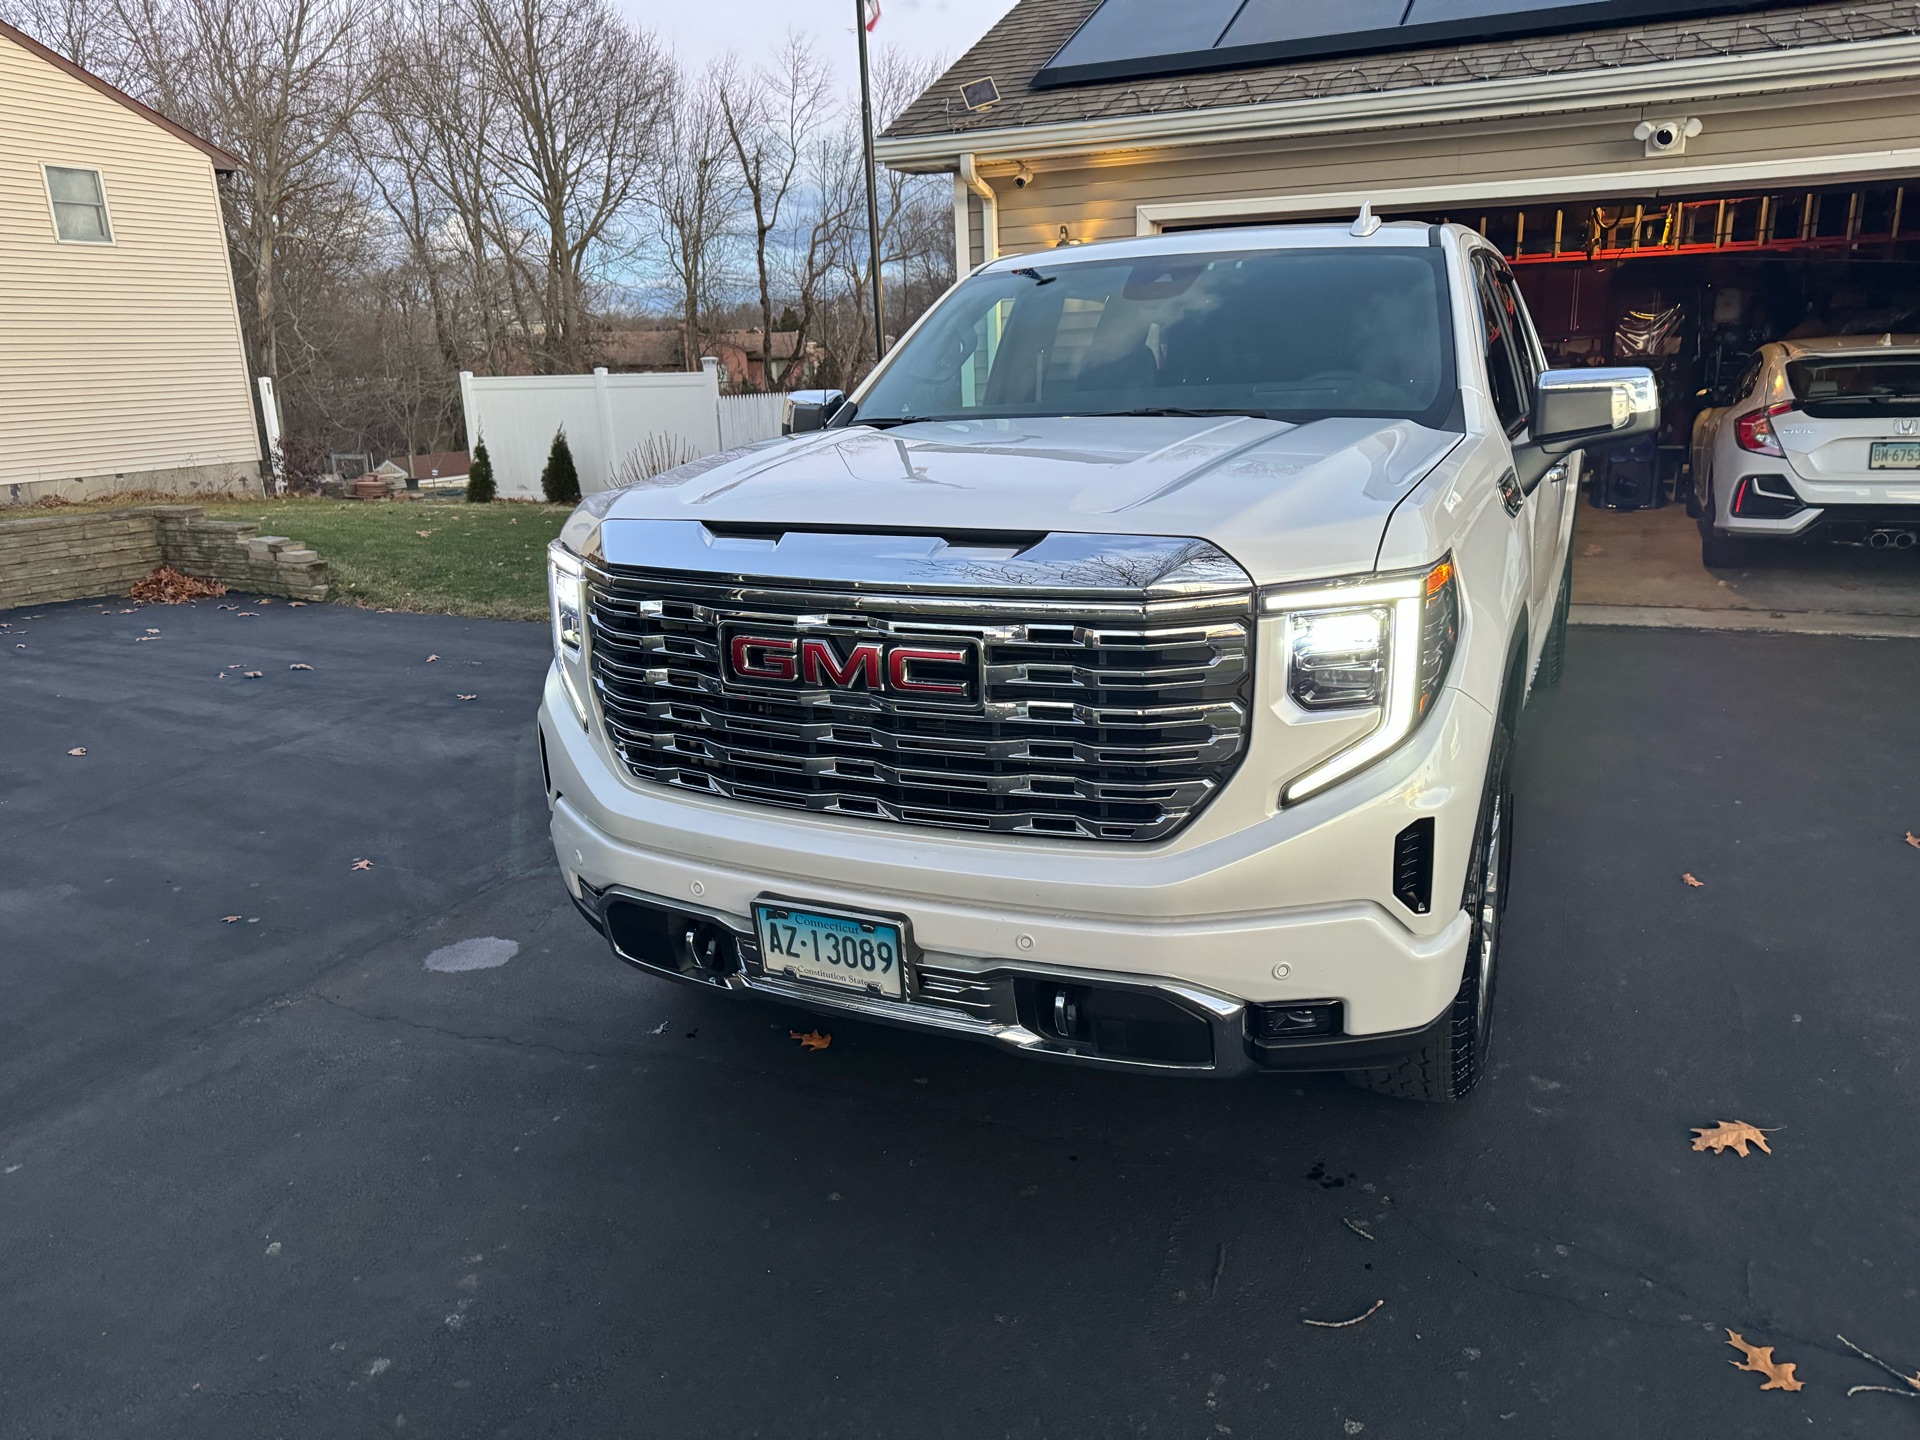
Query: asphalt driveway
{"type": "Point", "coordinates": [328, 1169]}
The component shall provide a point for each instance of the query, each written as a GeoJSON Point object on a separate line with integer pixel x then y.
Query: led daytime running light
{"type": "Point", "coordinates": [1410, 597]}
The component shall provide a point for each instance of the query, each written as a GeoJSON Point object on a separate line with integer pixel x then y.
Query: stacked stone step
{"type": "Point", "coordinates": [71, 557]}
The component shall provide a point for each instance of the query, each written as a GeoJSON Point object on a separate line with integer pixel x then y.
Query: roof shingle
{"type": "Point", "coordinates": [1013, 51]}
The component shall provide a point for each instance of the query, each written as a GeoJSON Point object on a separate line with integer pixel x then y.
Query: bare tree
{"type": "Point", "coordinates": [773, 118]}
{"type": "Point", "coordinates": [279, 84]}
{"type": "Point", "coordinates": [581, 95]}
{"type": "Point", "coordinates": [697, 202]}
{"type": "Point", "coordinates": [82, 30]}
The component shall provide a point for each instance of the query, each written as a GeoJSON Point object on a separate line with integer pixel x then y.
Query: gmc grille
{"type": "Point", "coordinates": [1101, 719]}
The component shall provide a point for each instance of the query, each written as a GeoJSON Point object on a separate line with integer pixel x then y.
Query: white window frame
{"type": "Point", "coordinates": [53, 215]}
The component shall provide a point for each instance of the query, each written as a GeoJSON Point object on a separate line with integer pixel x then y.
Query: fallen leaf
{"type": "Point", "coordinates": [221, 676]}
{"type": "Point", "coordinates": [812, 1040]}
{"type": "Point", "coordinates": [1735, 1133]}
{"type": "Point", "coordinates": [432, 658]}
{"type": "Point", "coordinates": [299, 667]}
{"type": "Point", "coordinates": [466, 697]}
{"type": "Point", "coordinates": [234, 666]}
{"type": "Point", "coordinates": [78, 750]}
{"type": "Point", "coordinates": [423, 534]}
{"type": "Point", "coordinates": [166, 586]}
{"type": "Point", "coordinates": [244, 615]}
{"type": "Point", "coordinates": [152, 631]}
{"type": "Point", "coordinates": [138, 638]}
{"type": "Point", "coordinates": [217, 607]}
{"type": "Point", "coordinates": [229, 919]}
{"type": "Point", "coordinates": [296, 604]}
{"type": "Point", "coordinates": [1690, 880]}
{"type": "Point", "coordinates": [1913, 840]}
{"type": "Point", "coordinates": [255, 674]}
{"type": "Point", "coordinates": [362, 865]}
{"type": "Point", "coordinates": [262, 600]}
{"type": "Point", "coordinates": [1759, 1361]}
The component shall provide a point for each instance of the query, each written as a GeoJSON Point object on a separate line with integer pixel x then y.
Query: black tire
{"type": "Point", "coordinates": [1553, 656]}
{"type": "Point", "coordinates": [1448, 1068]}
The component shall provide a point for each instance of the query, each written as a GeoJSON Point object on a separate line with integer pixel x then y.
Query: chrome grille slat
{"type": "Point", "coordinates": [1100, 719]}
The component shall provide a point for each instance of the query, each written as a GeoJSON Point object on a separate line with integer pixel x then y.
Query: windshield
{"type": "Point", "coordinates": [1857, 385]}
{"type": "Point", "coordinates": [1288, 334]}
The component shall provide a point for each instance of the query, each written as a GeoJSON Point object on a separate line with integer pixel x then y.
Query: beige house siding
{"type": "Point", "coordinates": [122, 359]}
{"type": "Point", "coordinates": [1100, 197]}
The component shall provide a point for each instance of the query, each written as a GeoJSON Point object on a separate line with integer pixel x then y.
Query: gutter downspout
{"type": "Point", "coordinates": [989, 215]}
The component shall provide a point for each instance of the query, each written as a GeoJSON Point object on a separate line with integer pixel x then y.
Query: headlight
{"type": "Point", "coordinates": [566, 600]}
{"type": "Point", "coordinates": [1383, 644]}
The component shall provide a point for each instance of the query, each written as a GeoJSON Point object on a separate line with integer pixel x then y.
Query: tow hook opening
{"type": "Point", "coordinates": [691, 945]}
{"type": "Point", "coordinates": [709, 948]}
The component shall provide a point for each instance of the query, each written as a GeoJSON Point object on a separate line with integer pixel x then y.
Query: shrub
{"type": "Point", "coordinates": [656, 455]}
{"type": "Point", "coordinates": [480, 488]}
{"type": "Point", "coordinates": [560, 482]}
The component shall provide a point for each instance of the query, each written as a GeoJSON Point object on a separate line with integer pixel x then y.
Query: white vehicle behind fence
{"type": "Point", "coordinates": [1126, 674]}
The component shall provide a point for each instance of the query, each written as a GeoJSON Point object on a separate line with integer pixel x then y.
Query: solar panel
{"type": "Point", "coordinates": [1129, 39]}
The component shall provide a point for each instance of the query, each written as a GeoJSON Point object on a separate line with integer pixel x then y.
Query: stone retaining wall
{"type": "Point", "coordinates": [47, 558]}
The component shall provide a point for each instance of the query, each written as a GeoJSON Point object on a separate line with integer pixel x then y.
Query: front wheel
{"type": "Point", "coordinates": [1448, 1068]}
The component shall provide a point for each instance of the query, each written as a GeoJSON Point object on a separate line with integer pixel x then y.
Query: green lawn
{"type": "Point", "coordinates": [472, 559]}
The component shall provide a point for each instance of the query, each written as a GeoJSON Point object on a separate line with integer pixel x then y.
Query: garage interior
{"type": "Point", "coordinates": [1691, 287]}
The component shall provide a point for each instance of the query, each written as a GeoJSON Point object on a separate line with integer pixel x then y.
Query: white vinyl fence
{"type": "Point", "coordinates": [619, 427]}
{"type": "Point", "coordinates": [747, 418]}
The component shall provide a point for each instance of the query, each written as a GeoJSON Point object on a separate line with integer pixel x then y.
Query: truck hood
{"type": "Point", "coordinates": [1288, 502]}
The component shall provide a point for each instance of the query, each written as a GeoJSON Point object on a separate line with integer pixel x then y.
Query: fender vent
{"type": "Point", "coordinates": [1413, 866]}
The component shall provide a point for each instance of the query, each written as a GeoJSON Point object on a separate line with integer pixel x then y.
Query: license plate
{"type": "Point", "coordinates": [829, 947]}
{"type": "Point", "coordinates": [1894, 455]}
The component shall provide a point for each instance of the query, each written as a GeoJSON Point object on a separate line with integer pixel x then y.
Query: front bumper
{"type": "Point", "coordinates": [1294, 910]}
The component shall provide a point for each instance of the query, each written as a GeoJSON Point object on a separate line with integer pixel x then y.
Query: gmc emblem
{"type": "Point", "coordinates": [768, 658]}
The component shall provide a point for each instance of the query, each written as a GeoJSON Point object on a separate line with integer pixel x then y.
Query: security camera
{"type": "Point", "coordinates": [1667, 137]}
{"type": "Point", "coordinates": [1022, 177]}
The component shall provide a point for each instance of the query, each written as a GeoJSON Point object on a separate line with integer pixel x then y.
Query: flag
{"type": "Point", "coordinates": [873, 14]}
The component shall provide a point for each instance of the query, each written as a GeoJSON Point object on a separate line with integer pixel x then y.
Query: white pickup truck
{"type": "Point", "coordinates": [1125, 674]}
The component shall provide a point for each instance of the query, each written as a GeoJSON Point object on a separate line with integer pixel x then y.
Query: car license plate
{"type": "Point", "coordinates": [1894, 455]}
{"type": "Point", "coordinates": [849, 952]}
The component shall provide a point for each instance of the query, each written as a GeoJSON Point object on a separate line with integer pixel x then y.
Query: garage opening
{"type": "Point", "coordinates": [1693, 287]}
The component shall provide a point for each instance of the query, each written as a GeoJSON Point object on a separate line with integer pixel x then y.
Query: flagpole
{"type": "Point", "coordinates": [873, 183]}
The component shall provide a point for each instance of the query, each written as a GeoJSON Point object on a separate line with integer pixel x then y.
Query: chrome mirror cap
{"type": "Point", "coordinates": [1580, 407]}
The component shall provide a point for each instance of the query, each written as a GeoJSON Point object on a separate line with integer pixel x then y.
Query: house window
{"type": "Point", "coordinates": [79, 205]}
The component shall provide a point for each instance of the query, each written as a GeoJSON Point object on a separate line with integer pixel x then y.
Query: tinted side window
{"type": "Point", "coordinates": [1526, 341]}
{"type": "Point", "coordinates": [1504, 375]}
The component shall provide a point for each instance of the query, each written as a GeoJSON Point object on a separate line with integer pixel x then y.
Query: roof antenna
{"type": "Point", "coordinates": [1367, 223]}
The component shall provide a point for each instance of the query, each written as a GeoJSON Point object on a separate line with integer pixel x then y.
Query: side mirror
{"type": "Point", "coordinates": [1578, 407]}
{"type": "Point", "coordinates": [809, 410]}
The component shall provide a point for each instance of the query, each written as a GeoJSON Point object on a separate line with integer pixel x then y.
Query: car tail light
{"type": "Point", "coordinates": [1754, 430]}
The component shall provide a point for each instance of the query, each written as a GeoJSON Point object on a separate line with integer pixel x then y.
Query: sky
{"type": "Point", "coordinates": [702, 30]}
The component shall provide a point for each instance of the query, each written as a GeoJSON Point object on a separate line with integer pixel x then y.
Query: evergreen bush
{"type": "Point", "coordinates": [480, 488]}
{"type": "Point", "coordinates": [560, 482]}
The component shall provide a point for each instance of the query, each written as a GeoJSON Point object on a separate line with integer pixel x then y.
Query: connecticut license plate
{"type": "Point", "coordinates": [852, 952]}
{"type": "Point", "coordinates": [1894, 455]}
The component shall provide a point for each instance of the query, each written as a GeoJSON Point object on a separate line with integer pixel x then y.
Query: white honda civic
{"type": "Point", "coordinates": [1821, 440]}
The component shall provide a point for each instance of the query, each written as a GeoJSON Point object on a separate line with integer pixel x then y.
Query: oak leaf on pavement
{"type": "Point", "coordinates": [1913, 840]}
{"type": "Point", "coordinates": [1735, 1133]}
{"type": "Point", "coordinates": [362, 865]}
{"type": "Point", "coordinates": [1759, 1360]}
{"type": "Point", "coordinates": [812, 1040]}
{"type": "Point", "coordinates": [1693, 882]}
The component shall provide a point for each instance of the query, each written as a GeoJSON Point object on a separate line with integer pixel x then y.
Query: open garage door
{"type": "Point", "coordinates": [1693, 287]}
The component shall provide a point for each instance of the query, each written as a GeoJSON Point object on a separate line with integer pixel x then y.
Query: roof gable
{"type": "Point", "coordinates": [223, 162]}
